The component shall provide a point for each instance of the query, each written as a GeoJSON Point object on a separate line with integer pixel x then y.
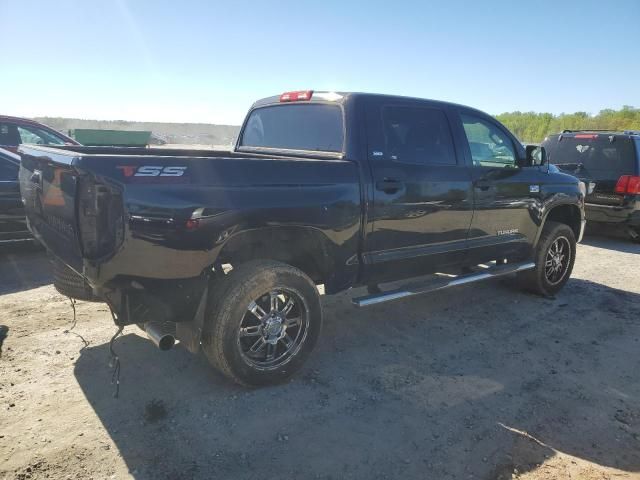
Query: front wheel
{"type": "Point", "coordinates": [262, 323]}
{"type": "Point", "coordinates": [554, 258]}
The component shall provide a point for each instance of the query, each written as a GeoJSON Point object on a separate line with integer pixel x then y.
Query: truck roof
{"type": "Point", "coordinates": [342, 97]}
{"type": "Point", "coordinates": [626, 133]}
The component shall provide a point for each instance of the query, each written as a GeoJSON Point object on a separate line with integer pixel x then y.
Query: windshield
{"type": "Point", "coordinates": [309, 126]}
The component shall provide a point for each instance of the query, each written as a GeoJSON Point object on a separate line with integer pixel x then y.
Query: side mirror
{"type": "Point", "coordinates": [536, 155]}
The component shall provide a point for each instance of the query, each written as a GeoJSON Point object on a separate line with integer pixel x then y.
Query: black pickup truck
{"type": "Point", "coordinates": [226, 250]}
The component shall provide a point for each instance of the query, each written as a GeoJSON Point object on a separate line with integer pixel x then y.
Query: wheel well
{"type": "Point", "coordinates": [302, 248]}
{"type": "Point", "coordinates": [567, 214]}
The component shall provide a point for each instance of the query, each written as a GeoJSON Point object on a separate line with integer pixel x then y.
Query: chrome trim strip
{"type": "Point", "coordinates": [598, 205]}
{"type": "Point", "coordinates": [17, 240]}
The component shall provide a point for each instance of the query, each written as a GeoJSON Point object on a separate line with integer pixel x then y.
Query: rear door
{"type": "Point", "coordinates": [422, 194]}
{"type": "Point", "coordinates": [598, 159]}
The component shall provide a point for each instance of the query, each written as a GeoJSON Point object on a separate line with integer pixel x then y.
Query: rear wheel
{"type": "Point", "coordinates": [554, 258]}
{"type": "Point", "coordinates": [263, 322]}
{"type": "Point", "coordinates": [70, 284]}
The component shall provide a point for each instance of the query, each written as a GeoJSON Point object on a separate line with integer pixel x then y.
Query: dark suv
{"type": "Point", "coordinates": [608, 163]}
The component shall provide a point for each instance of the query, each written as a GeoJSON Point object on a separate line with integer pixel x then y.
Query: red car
{"type": "Point", "coordinates": [15, 130]}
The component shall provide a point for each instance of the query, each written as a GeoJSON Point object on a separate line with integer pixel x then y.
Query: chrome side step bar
{"type": "Point", "coordinates": [440, 284]}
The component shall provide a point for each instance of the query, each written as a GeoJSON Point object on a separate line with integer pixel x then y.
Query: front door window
{"type": "Point", "coordinates": [490, 146]}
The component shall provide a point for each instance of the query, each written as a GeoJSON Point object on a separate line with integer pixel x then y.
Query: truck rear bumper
{"type": "Point", "coordinates": [628, 214]}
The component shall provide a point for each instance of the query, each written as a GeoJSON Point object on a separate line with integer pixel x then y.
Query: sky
{"type": "Point", "coordinates": [209, 60]}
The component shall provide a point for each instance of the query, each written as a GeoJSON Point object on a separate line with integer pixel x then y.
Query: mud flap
{"type": "Point", "coordinates": [189, 333]}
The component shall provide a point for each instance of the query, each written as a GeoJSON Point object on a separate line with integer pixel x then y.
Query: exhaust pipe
{"type": "Point", "coordinates": [162, 334]}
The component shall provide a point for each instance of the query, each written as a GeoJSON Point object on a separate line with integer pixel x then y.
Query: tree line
{"type": "Point", "coordinates": [531, 127]}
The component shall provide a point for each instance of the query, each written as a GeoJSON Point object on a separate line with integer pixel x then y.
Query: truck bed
{"type": "Point", "coordinates": [160, 213]}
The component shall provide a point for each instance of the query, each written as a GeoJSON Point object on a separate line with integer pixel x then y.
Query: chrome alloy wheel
{"type": "Point", "coordinates": [557, 260]}
{"type": "Point", "coordinates": [273, 329]}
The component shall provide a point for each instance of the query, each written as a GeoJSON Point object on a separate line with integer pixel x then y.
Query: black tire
{"type": "Point", "coordinates": [70, 284]}
{"type": "Point", "coordinates": [228, 330]}
{"type": "Point", "coordinates": [539, 280]}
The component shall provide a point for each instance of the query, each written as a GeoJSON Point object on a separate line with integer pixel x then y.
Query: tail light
{"type": "Point", "coordinates": [628, 185]}
{"type": "Point", "coordinates": [296, 96]}
{"type": "Point", "coordinates": [100, 218]}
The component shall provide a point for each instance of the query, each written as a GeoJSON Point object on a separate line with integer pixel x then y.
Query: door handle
{"type": "Point", "coordinates": [483, 185]}
{"type": "Point", "coordinates": [389, 185]}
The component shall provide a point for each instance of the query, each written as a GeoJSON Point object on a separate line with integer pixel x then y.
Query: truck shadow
{"type": "Point", "coordinates": [624, 245]}
{"type": "Point", "coordinates": [23, 267]}
{"type": "Point", "coordinates": [426, 388]}
{"type": "Point", "coordinates": [610, 237]}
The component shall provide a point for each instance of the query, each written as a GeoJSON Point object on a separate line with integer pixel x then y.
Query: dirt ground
{"type": "Point", "coordinates": [481, 382]}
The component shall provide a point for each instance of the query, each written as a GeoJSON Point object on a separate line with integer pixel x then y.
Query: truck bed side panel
{"type": "Point", "coordinates": [227, 196]}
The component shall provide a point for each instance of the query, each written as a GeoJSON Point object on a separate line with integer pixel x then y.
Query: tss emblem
{"type": "Point", "coordinates": [151, 171]}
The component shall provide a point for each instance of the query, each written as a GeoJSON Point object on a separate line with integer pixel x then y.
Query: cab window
{"type": "Point", "coordinates": [489, 145]}
{"type": "Point", "coordinates": [314, 127]}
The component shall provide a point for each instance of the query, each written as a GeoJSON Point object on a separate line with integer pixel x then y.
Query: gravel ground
{"type": "Point", "coordinates": [482, 381]}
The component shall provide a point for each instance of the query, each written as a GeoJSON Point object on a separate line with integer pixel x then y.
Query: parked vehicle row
{"type": "Point", "coordinates": [224, 249]}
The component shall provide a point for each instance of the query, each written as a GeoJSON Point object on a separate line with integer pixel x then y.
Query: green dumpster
{"type": "Point", "coordinates": [101, 138]}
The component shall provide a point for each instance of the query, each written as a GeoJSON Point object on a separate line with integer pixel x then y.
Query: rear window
{"type": "Point", "coordinates": [313, 127]}
{"type": "Point", "coordinates": [593, 152]}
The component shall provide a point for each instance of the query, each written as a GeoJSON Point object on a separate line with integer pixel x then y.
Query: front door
{"type": "Point", "coordinates": [422, 191]}
{"type": "Point", "coordinates": [506, 194]}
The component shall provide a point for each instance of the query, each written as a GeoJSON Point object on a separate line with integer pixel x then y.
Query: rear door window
{"type": "Point", "coordinates": [311, 127]}
{"type": "Point", "coordinates": [9, 135]}
{"type": "Point", "coordinates": [418, 135]}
